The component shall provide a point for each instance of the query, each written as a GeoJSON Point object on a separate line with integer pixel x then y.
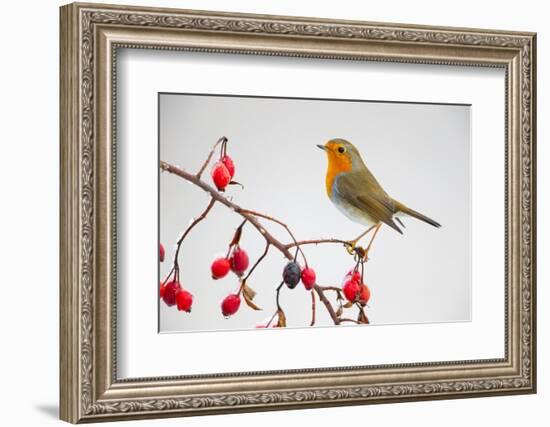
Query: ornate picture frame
{"type": "Point", "coordinates": [90, 37]}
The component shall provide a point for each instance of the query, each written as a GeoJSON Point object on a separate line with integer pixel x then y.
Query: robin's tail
{"type": "Point", "coordinates": [400, 207]}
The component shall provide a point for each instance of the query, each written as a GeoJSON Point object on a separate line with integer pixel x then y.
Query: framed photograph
{"type": "Point", "coordinates": [266, 212]}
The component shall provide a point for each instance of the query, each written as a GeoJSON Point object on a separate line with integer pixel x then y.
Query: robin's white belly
{"type": "Point", "coordinates": [352, 212]}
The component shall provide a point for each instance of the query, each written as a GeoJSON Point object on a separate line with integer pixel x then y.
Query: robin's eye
{"type": "Point", "coordinates": [341, 150]}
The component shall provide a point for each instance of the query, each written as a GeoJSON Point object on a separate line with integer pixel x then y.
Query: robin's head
{"type": "Point", "coordinates": [341, 154]}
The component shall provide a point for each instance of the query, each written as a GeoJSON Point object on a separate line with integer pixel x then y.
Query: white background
{"type": "Point", "coordinates": [29, 227]}
{"type": "Point", "coordinates": [420, 153]}
{"type": "Point", "coordinates": [141, 347]}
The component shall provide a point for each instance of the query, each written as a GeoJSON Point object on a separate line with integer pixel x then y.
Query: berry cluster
{"type": "Point", "coordinates": [223, 170]}
{"type": "Point", "coordinates": [354, 289]}
{"type": "Point", "coordinates": [237, 261]}
{"type": "Point", "coordinates": [172, 293]}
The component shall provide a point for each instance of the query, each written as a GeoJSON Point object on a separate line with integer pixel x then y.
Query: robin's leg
{"type": "Point", "coordinates": [353, 243]}
{"type": "Point", "coordinates": [372, 240]}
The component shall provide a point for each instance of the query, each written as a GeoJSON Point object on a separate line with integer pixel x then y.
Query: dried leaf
{"type": "Point", "coordinates": [236, 183]}
{"type": "Point", "coordinates": [250, 303]}
{"type": "Point", "coordinates": [248, 291]}
{"type": "Point", "coordinates": [281, 322]}
{"type": "Point", "coordinates": [236, 236]}
{"type": "Point", "coordinates": [362, 318]}
{"type": "Point", "coordinates": [360, 251]}
{"type": "Point", "coordinates": [349, 304]}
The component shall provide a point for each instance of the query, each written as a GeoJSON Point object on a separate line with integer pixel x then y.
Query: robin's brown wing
{"type": "Point", "coordinates": [372, 200]}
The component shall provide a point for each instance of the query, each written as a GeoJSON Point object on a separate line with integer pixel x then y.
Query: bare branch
{"type": "Point", "coordinates": [330, 288]}
{"type": "Point", "coordinates": [317, 242]}
{"type": "Point", "coordinates": [252, 218]}
{"type": "Point", "coordinates": [327, 304]}
{"type": "Point", "coordinates": [224, 201]}
{"type": "Point", "coordinates": [282, 224]}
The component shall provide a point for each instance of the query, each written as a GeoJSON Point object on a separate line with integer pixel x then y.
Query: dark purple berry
{"type": "Point", "coordinates": [292, 274]}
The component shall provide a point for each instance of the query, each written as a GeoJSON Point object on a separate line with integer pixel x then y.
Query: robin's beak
{"type": "Point", "coordinates": [322, 147]}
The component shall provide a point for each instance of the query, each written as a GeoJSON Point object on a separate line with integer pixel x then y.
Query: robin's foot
{"type": "Point", "coordinates": [357, 251]}
{"type": "Point", "coordinates": [351, 246]}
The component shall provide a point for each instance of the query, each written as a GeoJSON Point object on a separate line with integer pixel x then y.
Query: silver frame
{"type": "Point", "coordinates": [90, 37]}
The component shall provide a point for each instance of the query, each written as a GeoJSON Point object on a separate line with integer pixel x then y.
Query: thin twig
{"type": "Point", "coordinates": [316, 242]}
{"type": "Point", "coordinates": [362, 312]}
{"type": "Point", "coordinates": [168, 276]}
{"type": "Point", "coordinates": [267, 245]}
{"type": "Point", "coordinates": [191, 226]}
{"type": "Point", "coordinates": [278, 294]}
{"type": "Point", "coordinates": [312, 309]}
{"type": "Point", "coordinates": [268, 324]}
{"type": "Point", "coordinates": [209, 157]}
{"type": "Point", "coordinates": [327, 304]}
{"type": "Point", "coordinates": [282, 224]}
{"type": "Point", "coordinates": [330, 288]}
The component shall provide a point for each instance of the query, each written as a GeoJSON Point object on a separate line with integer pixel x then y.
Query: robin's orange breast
{"type": "Point", "coordinates": [335, 168]}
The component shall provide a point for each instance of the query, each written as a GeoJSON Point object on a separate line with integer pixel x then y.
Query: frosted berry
{"type": "Point", "coordinates": [161, 252]}
{"type": "Point", "coordinates": [184, 300]}
{"type": "Point", "coordinates": [239, 261]}
{"type": "Point", "coordinates": [231, 304]}
{"type": "Point", "coordinates": [170, 291]}
{"type": "Point", "coordinates": [291, 274]}
{"type": "Point", "coordinates": [220, 175]}
{"type": "Point", "coordinates": [228, 162]}
{"type": "Point", "coordinates": [364, 295]}
{"type": "Point", "coordinates": [353, 275]}
{"type": "Point", "coordinates": [219, 268]}
{"type": "Point", "coordinates": [161, 290]}
{"type": "Point", "coordinates": [351, 289]}
{"type": "Point", "coordinates": [308, 278]}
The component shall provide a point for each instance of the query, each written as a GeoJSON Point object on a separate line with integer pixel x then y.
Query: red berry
{"type": "Point", "coordinates": [364, 295]}
{"type": "Point", "coordinates": [184, 299]}
{"type": "Point", "coordinates": [239, 261]}
{"type": "Point", "coordinates": [161, 290]}
{"type": "Point", "coordinates": [308, 278]}
{"type": "Point", "coordinates": [161, 253]}
{"type": "Point", "coordinates": [219, 268]}
{"type": "Point", "coordinates": [220, 175]}
{"type": "Point", "coordinates": [170, 291]}
{"type": "Point", "coordinates": [353, 275]}
{"type": "Point", "coordinates": [231, 304]}
{"type": "Point", "coordinates": [228, 162]}
{"type": "Point", "coordinates": [351, 290]}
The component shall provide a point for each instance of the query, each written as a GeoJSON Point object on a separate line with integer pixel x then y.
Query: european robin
{"type": "Point", "coordinates": [354, 190]}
